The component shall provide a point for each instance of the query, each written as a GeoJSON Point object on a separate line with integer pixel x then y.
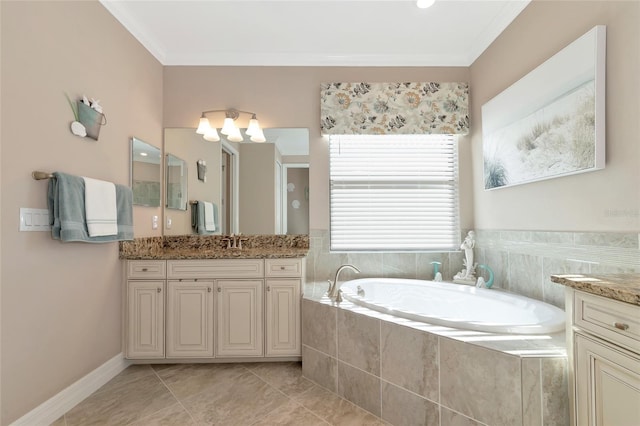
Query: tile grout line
{"type": "Point", "coordinates": [172, 394]}
{"type": "Point", "coordinates": [289, 399]}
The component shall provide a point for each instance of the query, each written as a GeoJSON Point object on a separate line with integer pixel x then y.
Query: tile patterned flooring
{"type": "Point", "coordinates": [215, 394]}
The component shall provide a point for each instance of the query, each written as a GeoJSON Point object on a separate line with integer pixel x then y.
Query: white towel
{"type": "Point", "coordinates": [100, 207]}
{"type": "Point", "coordinates": [209, 221]}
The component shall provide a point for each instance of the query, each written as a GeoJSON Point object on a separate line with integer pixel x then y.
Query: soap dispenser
{"type": "Point", "coordinates": [437, 276]}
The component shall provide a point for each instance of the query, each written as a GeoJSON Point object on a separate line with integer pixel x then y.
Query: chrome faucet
{"type": "Point", "coordinates": [334, 288]}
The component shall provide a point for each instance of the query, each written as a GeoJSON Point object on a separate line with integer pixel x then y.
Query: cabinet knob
{"type": "Point", "coordinates": [268, 288]}
{"type": "Point", "coordinates": [209, 289]}
{"type": "Point", "coordinates": [145, 269]}
{"type": "Point", "coordinates": [219, 290]}
{"type": "Point", "coordinates": [159, 289]}
{"type": "Point", "coordinates": [282, 268]}
{"type": "Point", "coordinates": [621, 326]}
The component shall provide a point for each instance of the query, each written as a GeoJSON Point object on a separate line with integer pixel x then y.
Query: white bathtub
{"type": "Point", "coordinates": [454, 305]}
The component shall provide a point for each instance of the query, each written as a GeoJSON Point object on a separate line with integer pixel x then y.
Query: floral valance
{"type": "Point", "coordinates": [394, 108]}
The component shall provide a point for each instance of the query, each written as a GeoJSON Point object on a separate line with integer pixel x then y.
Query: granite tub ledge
{"type": "Point", "coordinates": [621, 287]}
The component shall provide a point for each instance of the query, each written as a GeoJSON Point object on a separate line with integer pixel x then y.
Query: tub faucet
{"type": "Point", "coordinates": [334, 287]}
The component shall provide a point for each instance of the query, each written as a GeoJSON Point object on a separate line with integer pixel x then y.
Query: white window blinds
{"type": "Point", "coordinates": [394, 193]}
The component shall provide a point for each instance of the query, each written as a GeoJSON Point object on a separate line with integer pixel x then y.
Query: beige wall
{"type": "Point", "coordinates": [605, 200]}
{"type": "Point", "coordinates": [61, 313]}
{"type": "Point", "coordinates": [290, 97]}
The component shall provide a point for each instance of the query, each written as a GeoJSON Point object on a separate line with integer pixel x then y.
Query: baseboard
{"type": "Point", "coordinates": [52, 409]}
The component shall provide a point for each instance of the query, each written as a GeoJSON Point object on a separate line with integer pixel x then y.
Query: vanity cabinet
{"type": "Point", "coordinates": [213, 309]}
{"type": "Point", "coordinates": [189, 318]}
{"type": "Point", "coordinates": [144, 313]}
{"type": "Point", "coordinates": [239, 319]}
{"type": "Point", "coordinates": [605, 351]}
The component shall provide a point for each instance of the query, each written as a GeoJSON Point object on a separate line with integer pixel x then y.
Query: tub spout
{"type": "Point", "coordinates": [481, 282]}
{"type": "Point", "coordinates": [334, 287]}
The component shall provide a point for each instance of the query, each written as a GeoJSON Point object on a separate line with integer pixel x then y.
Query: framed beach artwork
{"type": "Point", "coordinates": [551, 122]}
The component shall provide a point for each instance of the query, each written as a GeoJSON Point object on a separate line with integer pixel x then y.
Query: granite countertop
{"type": "Point", "coordinates": [191, 253]}
{"type": "Point", "coordinates": [214, 247]}
{"type": "Point", "coordinates": [622, 287]}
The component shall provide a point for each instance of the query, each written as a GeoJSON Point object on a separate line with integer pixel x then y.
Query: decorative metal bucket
{"type": "Point", "coordinates": [91, 119]}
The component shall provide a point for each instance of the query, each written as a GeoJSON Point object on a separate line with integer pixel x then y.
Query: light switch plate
{"type": "Point", "coordinates": [34, 219]}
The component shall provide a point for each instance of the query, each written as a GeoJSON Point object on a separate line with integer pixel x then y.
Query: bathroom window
{"type": "Point", "coordinates": [394, 193]}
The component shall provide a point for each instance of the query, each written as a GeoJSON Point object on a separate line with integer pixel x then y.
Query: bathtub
{"type": "Point", "coordinates": [454, 305]}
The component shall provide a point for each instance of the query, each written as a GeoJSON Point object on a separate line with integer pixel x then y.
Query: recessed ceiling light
{"type": "Point", "coordinates": [423, 4]}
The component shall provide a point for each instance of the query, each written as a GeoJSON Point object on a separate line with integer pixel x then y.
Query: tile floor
{"type": "Point", "coordinates": [215, 394]}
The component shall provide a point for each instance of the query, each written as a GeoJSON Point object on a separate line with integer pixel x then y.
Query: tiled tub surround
{"type": "Point", "coordinates": [214, 247]}
{"type": "Point", "coordinates": [411, 373]}
{"type": "Point", "coordinates": [522, 261]}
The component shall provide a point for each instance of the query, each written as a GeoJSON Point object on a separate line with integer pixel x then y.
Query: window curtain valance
{"type": "Point", "coordinates": [394, 108]}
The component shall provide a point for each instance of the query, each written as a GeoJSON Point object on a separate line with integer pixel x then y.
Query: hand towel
{"type": "Point", "coordinates": [198, 218]}
{"type": "Point", "coordinates": [65, 200]}
{"type": "Point", "coordinates": [209, 221]}
{"type": "Point", "coordinates": [100, 207]}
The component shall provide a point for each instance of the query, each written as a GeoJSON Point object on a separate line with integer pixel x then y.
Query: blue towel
{"type": "Point", "coordinates": [67, 216]}
{"type": "Point", "coordinates": [197, 218]}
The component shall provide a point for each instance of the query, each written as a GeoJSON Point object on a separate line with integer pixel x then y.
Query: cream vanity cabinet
{"type": "Point", "coordinates": [215, 308]}
{"type": "Point", "coordinates": [283, 284]}
{"type": "Point", "coordinates": [144, 313]}
{"type": "Point", "coordinates": [189, 318]}
{"type": "Point", "coordinates": [605, 350]}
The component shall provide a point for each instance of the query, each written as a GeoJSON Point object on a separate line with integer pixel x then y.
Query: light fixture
{"type": "Point", "coordinates": [229, 127]}
{"type": "Point", "coordinates": [423, 4]}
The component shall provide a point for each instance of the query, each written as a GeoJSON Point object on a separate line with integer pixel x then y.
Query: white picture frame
{"type": "Point", "coordinates": [551, 122]}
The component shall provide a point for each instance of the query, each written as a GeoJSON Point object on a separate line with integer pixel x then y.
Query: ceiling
{"type": "Point", "coordinates": [315, 32]}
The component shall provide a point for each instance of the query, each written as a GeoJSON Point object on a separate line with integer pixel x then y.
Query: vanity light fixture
{"type": "Point", "coordinates": [423, 4]}
{"type": "Point", "coordinates": [229, 127]}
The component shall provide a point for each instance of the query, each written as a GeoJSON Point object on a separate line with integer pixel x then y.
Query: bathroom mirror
{"type": "Point", "coordinates": [176, 183]}
{"type": "Point", "coordinates": [145, 173]}
{"type": "Point", "coordinates": [247, 181]}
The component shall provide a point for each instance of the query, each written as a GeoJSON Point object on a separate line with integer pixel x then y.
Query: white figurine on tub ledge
{"type": "Point", "coordinates": [468, 274]}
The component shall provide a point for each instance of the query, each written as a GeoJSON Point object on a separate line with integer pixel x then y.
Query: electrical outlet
{"type": "Point", "coordinates": [154, 222]}
{"type": "Point", "coordinates": [169, 223]}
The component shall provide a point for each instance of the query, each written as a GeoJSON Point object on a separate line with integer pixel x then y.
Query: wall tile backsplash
{"type": "Point", "coordinates": [522, 261]}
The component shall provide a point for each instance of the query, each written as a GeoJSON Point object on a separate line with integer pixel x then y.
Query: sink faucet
{"type": "Point", "coordinates": [334, 288]}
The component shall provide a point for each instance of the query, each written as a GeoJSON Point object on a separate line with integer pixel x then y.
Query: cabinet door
{"type": "Point", "coordinates": [189, 319]}
{"type": "Point", "coordinates": [283, 317]}
{"type": "Point", "coordinates": [607, 384]}
{"type": "Point", "coordinates": [145, 319]}
{"type": "Point", "coordinates": [239, 318]}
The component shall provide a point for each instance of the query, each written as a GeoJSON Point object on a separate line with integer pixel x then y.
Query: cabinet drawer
{"type": "Point", "coordinates": [283, 267]}
{"type": "Point", "coordinates": [146, 269]}
{"type": "Point", "coordinates": [618, 322]}
{"type": "Point", "coordinates": [216, 268]}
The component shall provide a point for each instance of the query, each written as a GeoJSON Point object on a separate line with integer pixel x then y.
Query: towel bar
{"type": "Point", "coordinates": [37, 175]}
